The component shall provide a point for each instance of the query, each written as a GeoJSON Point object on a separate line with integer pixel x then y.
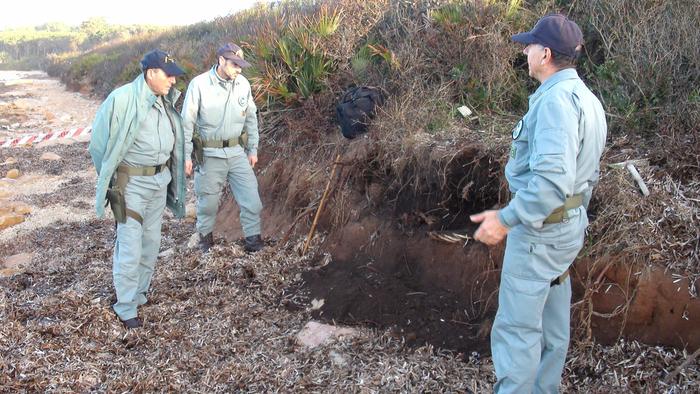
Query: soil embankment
{"type": "Point", "coordinates": [387, 271]}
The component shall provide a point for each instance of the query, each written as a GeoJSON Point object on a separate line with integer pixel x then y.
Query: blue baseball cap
{"type": "Point", "coordinates": [556, 32]}
{"type": "Point", "coordinates": [159, 59]}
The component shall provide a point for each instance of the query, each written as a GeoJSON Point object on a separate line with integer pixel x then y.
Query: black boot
{"type": "Point", "coordinates": [253, 243]}
{"type": "Point", "coordinates": [206, 242]}
{"type": "Point", "coordinates": [132, 323]}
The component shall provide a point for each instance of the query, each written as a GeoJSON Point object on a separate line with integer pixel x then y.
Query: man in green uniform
{"type": "Point", "coordinates": [553, 167]}
{"type": "Point", "coordinates": [218, 108]}
{"type": "Point", "coordinates": [137, 147]}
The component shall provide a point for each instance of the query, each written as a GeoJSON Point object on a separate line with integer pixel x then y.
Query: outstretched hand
{"type": "Point", "coordinates": [491, 231]}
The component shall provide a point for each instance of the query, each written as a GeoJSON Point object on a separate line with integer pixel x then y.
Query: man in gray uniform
{"type": "Point", "coordinates": [553, 167]}
{"type": "Point", "coordinates": [218, 108]}
{"type": "Point", "coordinates": [137, 147]}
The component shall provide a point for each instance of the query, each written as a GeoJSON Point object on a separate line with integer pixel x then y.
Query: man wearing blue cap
{"type": "Point", "coordinates": [137, 147]}
{"type": "Point", "coordinates": [218, 108]}
{"type": "Point", "coordinates": [553, 167]}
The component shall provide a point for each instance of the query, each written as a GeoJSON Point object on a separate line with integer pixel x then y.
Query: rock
{"type": "Point", "coordinates": [317, 304]}
{"type": "Point", "coordinates": [13, 174]}
{"type": "Point", "coordinates": [50, 156]}
{"type": "Point", "coordinates": [20, 208]}
{"type": "Point", "coordinates": [166, 253]}
{"type": "Point", "coordinates": [18, 261]}
{"type": "Point", "coordinates": [194, 241]}
{"type": "Point", "coordinates": [10, 160]}
{"type": "Point", "coordinates": [314, 334]}
{"type": "Point", "coordinates": [191, 211]}
{"type": "Point", "coordinates": [66, 141]}
{"type": "Point", "coordinates": [10, 220]}
{"type": "Point", "coordinates": [85, 137]}
{"type": "Point", "coordinates": [13, 207]}
{"type": "Point", "coordinates": [8, 272]}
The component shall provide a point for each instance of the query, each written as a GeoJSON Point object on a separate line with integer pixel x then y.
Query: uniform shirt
{"type": "Point", "coordinates": [152, 146]}
{"type": "Point", "coordinates": [219, 110]}
{"type": "Point", "coordinates": [556, 150]}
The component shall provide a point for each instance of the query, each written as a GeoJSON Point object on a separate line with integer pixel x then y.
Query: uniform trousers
{"type": "Point", "coordinates": [209, 181]}
{"type": "Point", "coordinates": [137, 245]}
{"type": "Point", "coordinates": [530, 334]}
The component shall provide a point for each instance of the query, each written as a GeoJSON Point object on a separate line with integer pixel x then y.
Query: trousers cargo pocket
{"type": "Point", "coordinates": [521, 301]}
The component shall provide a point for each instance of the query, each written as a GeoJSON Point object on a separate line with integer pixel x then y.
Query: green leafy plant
{"type": "Point", "coordinates": [448, 15]}
{"type": "Point", "coordinates": [294, 62]}
{"type": "Point", "coordinates": [360, 62]}
{"type": "Point", "coordinates": [327, 22]}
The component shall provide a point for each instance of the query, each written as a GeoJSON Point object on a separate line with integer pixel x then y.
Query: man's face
{"type": "Point", "coordinates": [229, 69]}
{"type": "Point", "coordinates": [159, 82]}
{"type": "Point", "coordinates": [536, 54]}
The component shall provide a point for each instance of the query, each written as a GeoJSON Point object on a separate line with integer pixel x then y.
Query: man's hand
{"type": "Point", "coordinates": [491, 231]}
{"type": "Point", "coordinates": [253, 160]}
{"type": "Point", "coordinates": [188, 167]}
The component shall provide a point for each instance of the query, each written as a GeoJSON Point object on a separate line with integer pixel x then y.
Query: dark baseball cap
{"type": "Point", "coordinates": [556, 32]}
{"type": "Point", "coordinates": [159, 59]}
{"type": "Point", "coordinates": [233, 53]}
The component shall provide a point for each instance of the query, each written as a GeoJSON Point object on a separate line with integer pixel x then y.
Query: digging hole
{"type": "Point", "coordinates": [388, 273]}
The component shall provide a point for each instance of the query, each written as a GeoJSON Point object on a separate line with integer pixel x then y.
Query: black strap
{"type": "Point", "coordinates": [559, 279]}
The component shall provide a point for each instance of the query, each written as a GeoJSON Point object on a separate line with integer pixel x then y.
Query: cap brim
{"type": "Point", "coordinates": [526, 38]}
{"type": "Point", "coordinates": [173, 70]}
{"type": "Point", "coordinates": [239, 62]}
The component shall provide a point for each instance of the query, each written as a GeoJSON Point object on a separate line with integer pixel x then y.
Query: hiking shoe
{"type": "Point", "coordinates": [134, 322]}
{"type": "Point", "coordinates": [253, 243]}
{"type": "Point", "coordinates": [206, 242]}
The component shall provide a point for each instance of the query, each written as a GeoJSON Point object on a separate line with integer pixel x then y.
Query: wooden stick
{"type": "Point", "coordinates": [623, 164]}
{"type": "Point", "coordinates": [296, 220]}
{"type": "Point", "coordinates": [638, 178]}
{"type": "Point", "coordinates": [320, 206]}
{"type": "Point", "coordinates": [629, 165]}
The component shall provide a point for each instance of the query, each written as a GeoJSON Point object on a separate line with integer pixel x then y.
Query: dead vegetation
{"type": "Point", "coordinates": [219, 323]}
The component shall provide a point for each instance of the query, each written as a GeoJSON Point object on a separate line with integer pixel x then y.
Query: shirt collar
{"type": "Point", "coordinates": [216, 79]}
{"type": "Point", "coordinates": [561, 75]}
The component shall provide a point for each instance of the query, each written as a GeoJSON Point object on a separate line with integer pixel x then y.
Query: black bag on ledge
{"type": "Point", "coordinates": [356, 108]}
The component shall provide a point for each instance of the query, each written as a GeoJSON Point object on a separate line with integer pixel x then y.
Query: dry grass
{"type": "Point", "coordinates": [646, 57]}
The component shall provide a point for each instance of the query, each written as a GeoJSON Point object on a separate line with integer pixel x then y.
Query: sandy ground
{"type": "Point", "coordinates": [31, 102]}
{"type": "Point", "coordinates": [214, 323]}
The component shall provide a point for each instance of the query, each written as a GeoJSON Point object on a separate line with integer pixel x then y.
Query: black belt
{"type": "Point", "coordinates": [220, 144]}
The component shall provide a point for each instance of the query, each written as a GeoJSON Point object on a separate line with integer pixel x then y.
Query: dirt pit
{"type": "Point", "coordinates": [361, 293]}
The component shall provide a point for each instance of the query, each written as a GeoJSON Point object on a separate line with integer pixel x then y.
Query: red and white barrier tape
{"type": "Point", "coordinates": [27, 139]}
